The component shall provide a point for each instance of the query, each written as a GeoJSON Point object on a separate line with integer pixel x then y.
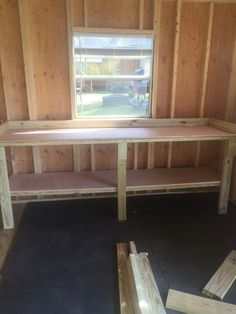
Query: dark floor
{"type": "Point", "coordinates": [63, 258]}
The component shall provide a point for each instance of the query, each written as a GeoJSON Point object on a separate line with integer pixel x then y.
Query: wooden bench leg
{"type": "Point", "coordinates": [226, 172]}
{"type": "Point", "coordinates": [5, 197]}
{"type": "Point", "coordinates": [121, 168]}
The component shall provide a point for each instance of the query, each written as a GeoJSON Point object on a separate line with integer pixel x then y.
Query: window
{"type": "Point", "coordinates": [112, 75]}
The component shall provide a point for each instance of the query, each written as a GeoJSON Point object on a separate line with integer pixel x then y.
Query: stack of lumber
{"type": "Point", "coordinates": [138, 290]}
{"type": "Point", "coordinates": [139, 293]}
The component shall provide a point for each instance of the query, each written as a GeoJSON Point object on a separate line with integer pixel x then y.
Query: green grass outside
{"type": "Point", "coordinates": [92, 106]}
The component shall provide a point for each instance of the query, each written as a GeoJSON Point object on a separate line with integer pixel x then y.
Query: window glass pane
{"type": "Point", "coordinates": [112, 75]}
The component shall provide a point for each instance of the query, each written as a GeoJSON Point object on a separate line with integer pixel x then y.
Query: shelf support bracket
{"type": "Point", "coordinates": [226, 174]}
{"type": "Point", "coordinates": [5, 196]}
{"type": "Point", "coordinates": [121, 168]}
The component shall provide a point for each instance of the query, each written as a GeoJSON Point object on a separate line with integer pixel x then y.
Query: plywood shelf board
{"type": "Point", "coordinates": [55, 136]}
{"type": "Point", "coordinates": [105, 181]}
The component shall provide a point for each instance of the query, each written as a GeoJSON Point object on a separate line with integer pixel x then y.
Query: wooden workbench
{"type": "Point", "coordinates": [37, 133]}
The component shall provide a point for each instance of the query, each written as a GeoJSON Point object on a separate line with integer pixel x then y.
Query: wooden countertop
{"type": "Point", "coordinates": [55, 136]}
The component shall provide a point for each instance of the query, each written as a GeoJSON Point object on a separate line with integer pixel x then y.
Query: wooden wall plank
{"type": "Point", "coordinates": [141, 13]}
{"type": "Point", "coordinates": [148, 14]}
{"type": "Point", "coordinates": [192, 42]}
{"type": "Point", "coordinates": [210, 154]}
{"type": "Point", "coordinates": [47, 41]}
{"type": "Point", "coordinates": [165, 66]}
{"type": "Point", "coordinates": [14, 85]}
{"type": "Point", "coordinates": [85, 154]}
{"type": "Point", "coordinates": [191, 56]}
{"type": "Point", "coordinates": [183, 154]}
{"type": "Point", "coordinates": [77, 12]}
{"type": "Point", "coordinates": [57, 158]}
{"type": "Point", "coordinates": [220, 63]}
{"type": "Point", "coordinates": [160, 159]}
{"type": "Point", "coordinates": [206, 60]}
{"type": "Point", "coordinates": [106, 156]}
{"type": "Point", "coordinates": [130, 156]}
{"type": "Point", "coordinates": [142, 155]}
{"type": "Point", "coordinates": [219, 72]}
{"type": "Point", "coordinates": [12, 61]}
{"type": "Point", "coordinates": [22, 159]}
{"type": "Point", "coordinates": [113, 13]}
{"type": "Point", "coordinates": [44, 24]}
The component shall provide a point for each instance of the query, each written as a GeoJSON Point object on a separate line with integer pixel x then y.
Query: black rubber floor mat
{"type": "Point", "coordinates": [63, 257]}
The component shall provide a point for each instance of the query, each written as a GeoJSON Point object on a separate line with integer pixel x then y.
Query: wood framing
{"type": "Point", "coordinates": [85, 14]}
{"type": "Point", "coordinates": [6, 236]}
{"type": "Point", "coordinates": [99, 30]}
{"type": "Point", "coordinates": [29, 76]}
{"type": "Point", "coordinates": [205, 72]}
{"type": "Point", "coordinates": [141, 9]}
{"type": "Point", "coordinates": [206, 62]}
{"type": "Point", "coordinates": [191, 304]}
{"type": "Point", "coordinates": [29, 72]}
{"type": "Point", "coordinates": [176, 54]}
{"type": "Point", "coordinates": [121, 180]}
{"type": "Point", "coordinates": [68, 183]}
{"type": "Point", "coordinates": [35, 71]}
{"type": "Point", "coordinates": [175, 68]}
{"type": "Point", "coordinates": [135, 156]}
{"type": "Point", "coordinates": [156, 54]}
{"type": "Point", "coordinates": [70, 55]}
{"type": "Point", "coordinates": [5, 197]}
{"type": "Point", "coordinates": [229, 153]}
{"type": "Point", "coordinates": [223, 278]}
{"type": "Point", "coordinates": [231, 101]}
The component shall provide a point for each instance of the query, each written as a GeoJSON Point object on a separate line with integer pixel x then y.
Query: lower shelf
{"type": "Point", "coordinates": [65, 183]}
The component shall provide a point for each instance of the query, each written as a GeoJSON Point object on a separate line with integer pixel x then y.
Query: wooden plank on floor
{"type": "Point", "coordinates": [126, 305]}
{"type": "Point", "coordinates": [191, 304]}
{"type": "Point", "coordinates": [6, 236]}
{"type": "Point", "coordinates": [145, 293]}
{"type": "Point", "coordinates": [223, 278]}
{"type": "Point", "coordinates": [132, 247]}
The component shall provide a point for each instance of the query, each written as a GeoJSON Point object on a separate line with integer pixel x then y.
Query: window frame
{"type": "Point", "coordinates": [96, 31]}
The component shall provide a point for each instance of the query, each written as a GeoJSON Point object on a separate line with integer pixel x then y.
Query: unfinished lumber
{"type": "Point", "coordinates": [121, 176]}
{"type": "Point", "coordinates": [226, 173]}
{"type": "Point", "coordinates": [191, 304]}
{"type": "Point", "coordinates": [223, 278]}
{"type": "Point", "coordinates": [6, 236]}
{"type": "Point", "coordinates": [145, 294]}
{"type": "Point", "coordinates": [138, 290]}
{"type": "Point", "coordinates": [132, 247]}
{"type": "Point", "coordinates": [126, 304]}
{"type": "Point", "coordinates": [5, 197]}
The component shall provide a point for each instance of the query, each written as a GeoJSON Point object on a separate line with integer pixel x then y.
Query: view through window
{"type": "Point", "coordinates": [112, 75]}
